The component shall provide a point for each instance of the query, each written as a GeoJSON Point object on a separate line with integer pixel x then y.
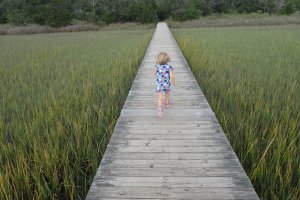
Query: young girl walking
{"type": "Point", "coordinates": [164, 78]}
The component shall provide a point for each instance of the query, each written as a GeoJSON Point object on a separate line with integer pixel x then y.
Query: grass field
{"type": "Point", "coordinates": [229, 20]}
{"type": "Point", "coordinates": [60, 96]}
{"type": "Point", "coordinates": [9, 29]}
{"type": "Point", "coordinates": [251, 78]}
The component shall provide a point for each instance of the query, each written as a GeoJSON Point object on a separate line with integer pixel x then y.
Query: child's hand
{"type": "Point", "coordinates": [173, 83]}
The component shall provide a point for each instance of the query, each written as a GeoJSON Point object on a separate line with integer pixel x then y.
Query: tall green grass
{"type": "Point", "coordinates": [60, 96]}
{"type": "Point", "coordinates": [251, 78]}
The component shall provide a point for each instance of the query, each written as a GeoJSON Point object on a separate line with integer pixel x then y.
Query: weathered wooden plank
{"type": "Point", "coordinates": [168, 142]}
{"type": "Point", "coordinates": [153, 105]}
{"type": "Point", "coordinates": [171, 182]}
{"type": "Point", "coordinates": [204, 131]}
{"type": "Point", "coordinates": [152, 96]}
{"type": "Point", "coordinates": [159, 128]}
{"type": "Point", "coordinates": [172, 171]}
{"type": "Point", "coordinates": [178, 94]}
{"type": "Point", "coordinates": [174, 112]}
{"type": "Point", "coordinates": [190, 149]}
{"type": "Point", "coordinates": [175, 193]}
{"type": "Point", "coordinates": [151, 120]}
{"type": "Point", "coordinates": [151, 136]}
{"type": "Point", "coordinates": [184, 155]}
{"type": "Point", "coordinates": [168, 156]}
{"type": "Point", "coordinates": [142, 122]}
{"type": "Point", "coordinates": [169, 163]}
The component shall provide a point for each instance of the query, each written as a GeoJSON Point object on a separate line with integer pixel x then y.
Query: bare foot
{"type": "Point", "coordinates": [160, 111]}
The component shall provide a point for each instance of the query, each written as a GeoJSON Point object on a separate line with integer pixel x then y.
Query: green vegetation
{"type": "Point", "coordinates": [60, 96]}
{"type": "Point", "coordinates": [7, 29]}
{"type": "Point", "coordinates": [250, 76]}
{"type": "Point", "coordinates": [252, 19]}
{"type": "Point", "coordinates": [58, 13]}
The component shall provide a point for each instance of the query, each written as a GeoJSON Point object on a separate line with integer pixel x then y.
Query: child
{"type": "Point", "coordinates": [164, 73]}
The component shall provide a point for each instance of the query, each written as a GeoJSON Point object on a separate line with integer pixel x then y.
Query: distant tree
{"type": "Point", "coordinates": [179, 14]}
{"type": "Point", "coordinates": [125, 10]}
{"type": "Point", "coordinates": [146, 11]}
{"type": "Point", "coordinates": [268, 6]}
{"type": "Point", "coordinates": [223, 6]}
{"type": "Point", "coordinates": [49, 12]}
{"type": "Point", "coordinates": [193, 9]}
{"type": "Point", "coordinates": [116, 10]}
{"type": "Point", "coordinates": [14, 12]}
{"type": "Point", "coordinates": [59, 13]}
{"type": "Point", "coordinates": [165, 8]}
{"type": "Point", "coordinates": [106, 11]}
{"type": "Point", "coordinates": [297, 5]}
{"type": "Point", "coordinates": [206, 7]}
{"type": "Point", "coordinates": [245, 6]}
{"type": "Point", "coordinates": [62, 12]}
{"type": "Point", "coordinates": [3, 19]}
{"type": "Point", "coordinates": [84, 10]}
{"type": "Point", "coordinates": [34, 9]}
{"type": "Point", "coordinates": [289, 6]}
{"type": "Point", "coordinates": [187, 9]}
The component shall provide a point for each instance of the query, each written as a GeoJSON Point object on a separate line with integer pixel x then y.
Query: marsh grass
{"type": "Point", "coordinates": [225, 20]}
{"type": "Point", "coordinates": [250, 76]}
{"type": "Point", "coordinates": [8, 29]}
{"type": "Point", "coordinates": [60, 97]}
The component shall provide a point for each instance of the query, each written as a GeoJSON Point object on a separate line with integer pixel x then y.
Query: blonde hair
{"type": "Point", "coordinates": [162, 58]}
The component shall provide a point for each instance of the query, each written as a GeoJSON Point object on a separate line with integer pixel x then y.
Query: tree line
{"type": "Point", "coordinates": [58, 13]}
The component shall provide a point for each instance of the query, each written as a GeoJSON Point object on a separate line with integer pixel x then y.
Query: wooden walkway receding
{"type": "Point", "coordinates": [184, 155]}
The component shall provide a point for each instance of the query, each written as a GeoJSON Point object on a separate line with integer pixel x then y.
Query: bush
{"type": "Point", "coordinates": [59, 13]}
{"type": "Point", "coordinates": [17, 17]}
{"type": "Point", "coordinates": [179, 14]}
{"type": "Point", "coordinates": [2, 15]}
{"type": "Point", "coordinates": [289, 8]}
{"type": "Point", "coordinates": [146, 11]}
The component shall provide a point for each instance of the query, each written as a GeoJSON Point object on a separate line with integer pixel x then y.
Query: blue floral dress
{"type": "Point", "coordinates": [163, 84]}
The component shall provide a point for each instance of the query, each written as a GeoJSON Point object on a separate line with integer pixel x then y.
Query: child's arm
{"type": "Point", "coordinates": [172, 77]}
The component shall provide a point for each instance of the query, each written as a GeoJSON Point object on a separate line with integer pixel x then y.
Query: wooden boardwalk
{"type": "Point", "coordinates": [184, 155]}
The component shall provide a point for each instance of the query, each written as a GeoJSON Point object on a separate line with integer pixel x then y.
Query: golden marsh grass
{"type": "Point", "coordinates": [250, 76]}
{"type": "Point", "coordinates": [60, 96]}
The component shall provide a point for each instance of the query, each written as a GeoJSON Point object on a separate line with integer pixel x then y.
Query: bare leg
{"type": "Point", "coordinates": [160, 99]}
{"type": "Point", "coordinates": [167, 98]}
{"type": "Point", "coordinates": [159, 102]}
